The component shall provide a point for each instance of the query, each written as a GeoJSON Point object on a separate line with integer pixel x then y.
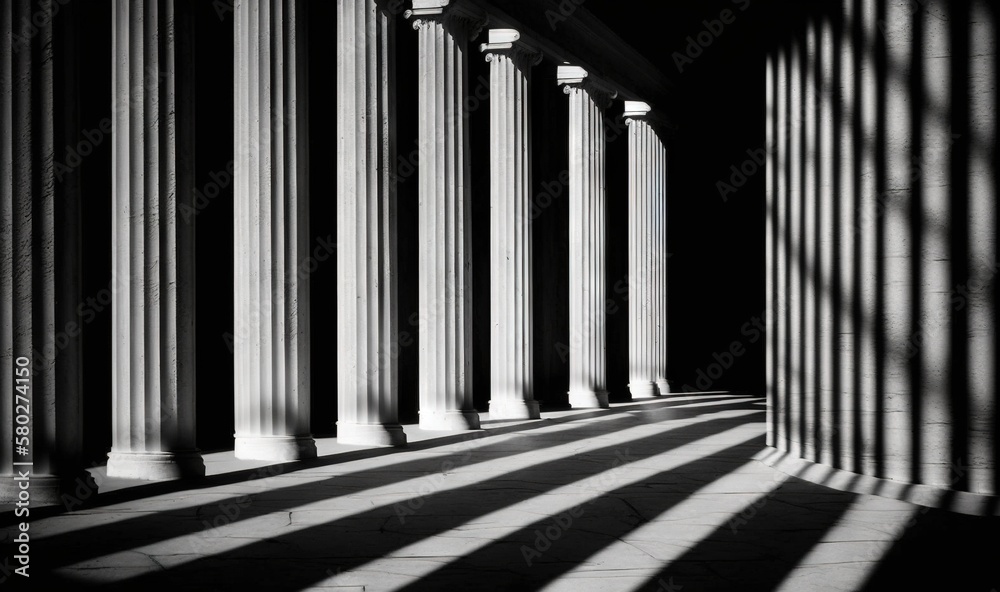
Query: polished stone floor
{"type": "Point", "coordinates": [660, 495]}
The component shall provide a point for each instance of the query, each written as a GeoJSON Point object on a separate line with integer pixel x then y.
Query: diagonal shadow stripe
{"type": "Point", "coordinates": [194, 485]}
{"type": "Point", "coordinates": [760, 554]}
{"type": "Point", "coordinates": [677, 484]}
{"type": "Point", "coordinates": [122, 535]}
{"type": "Point", "coordinates": [152, 527]}
{"type": "Point", "coordinates": [301, 558]}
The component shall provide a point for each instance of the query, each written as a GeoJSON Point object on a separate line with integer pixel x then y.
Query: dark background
{"type": "Point", "coordinates": [716, 264]}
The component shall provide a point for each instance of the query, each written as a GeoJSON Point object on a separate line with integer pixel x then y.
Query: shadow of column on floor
{"type": "Point", "coordinates": [301, 558]}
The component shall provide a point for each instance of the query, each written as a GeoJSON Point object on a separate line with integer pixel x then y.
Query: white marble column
{"type": "Point", "coordinates": [641, 248]}
{"type": "Point", "coordinates": [271, 231]}
{"type": "Point", "coordinates": [511, 318]}
{"type": "Point", "coordinates": [588, 98]}
{"type": "Point", "coordinates": [40, 342]}
{"type": "Point", "coordinates": [445, 28]}
{"type": "Point", "coordinates": [153, 375]}
{"type": "Point", "coordinates": [367, 387]}
{"type": "Point", "coordinates": [647, 253]}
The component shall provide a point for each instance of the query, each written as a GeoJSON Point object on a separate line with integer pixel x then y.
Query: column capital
{"type": "Point", "coordinates": [508, 42]}
{"type": "Point", "coordinates": [638, 110]}
{"type": "Point", "coordinates": [642, 111]}
{"type": "Point", "coordinates": [570, 77]}
{"type": "Point", "coordinates": [460, 15]}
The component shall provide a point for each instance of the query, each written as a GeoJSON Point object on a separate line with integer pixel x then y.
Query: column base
{"type": "Point", "coordinates": [50, 490]}
{"type": "Point", "coordinates": [451, 421]}
{"type": "Point", "coordinates": [662, 388]}
{"type": "Point", "coordinates": [642, 389]}
{"type": "Point", "coordinates": [156, 466]}
{"type": "Point", "coordinates": [280, 448]}
{"type": "Point", "coordinates": [587, 399]}
{"type": "Point", "coordinates": [370, 434]}
{"type": "Point", "coordinates": [515, 408]}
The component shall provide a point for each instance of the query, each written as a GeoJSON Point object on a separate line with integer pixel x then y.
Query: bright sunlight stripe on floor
{"type": "Point", "coordinates": [227, 537]}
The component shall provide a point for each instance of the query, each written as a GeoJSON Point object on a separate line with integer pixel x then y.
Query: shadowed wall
{"type": "Point", "coordinates": [881, 240]}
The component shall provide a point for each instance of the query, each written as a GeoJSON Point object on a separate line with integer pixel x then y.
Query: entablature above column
{"type": "Point", "coordinates": [566, 32]}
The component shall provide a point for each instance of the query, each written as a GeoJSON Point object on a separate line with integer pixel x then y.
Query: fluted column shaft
{"type": "Point", "coordinates": [367, 386]}
{"type": "Point", "coordinates": [647, 254]}
{"type": "Point", "coordinates": [40, 355]}
{"type": "Point", "coordinates": [587, 220]}
{"type": "Point", "coordinates": [511, 305]}
{"type": "Point", "coordinates": [445, 268]}
{"type": "Point", "coordinates": [660, 256]}
{"type": "Point", "coordinates": [153, 404]}
{"type": "Point", "coordinates": [271, 175]}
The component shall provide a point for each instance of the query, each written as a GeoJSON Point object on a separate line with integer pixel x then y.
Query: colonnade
{"type": "Point", "coordinates": [153, 257]}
